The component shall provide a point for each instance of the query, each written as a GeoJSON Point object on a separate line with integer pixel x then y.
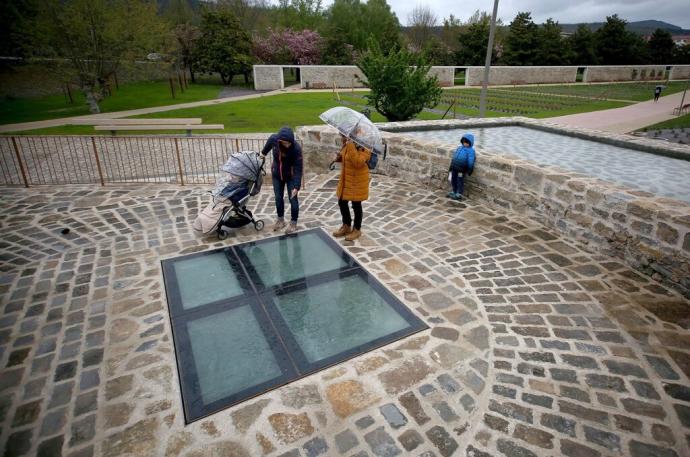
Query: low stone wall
{"type": "Point", "coordinates": [680, 72]}
{"type": "Point", "coordinates": [327, 76]}
{"type": "Point", "coordinates": [500, 75]}
{"type": "Point", "coordinates": [648, 232]}
{"type": "Point", "coordinates": [445, 75]}
{"type": "Point", "coordinates": [268, 77]}
{"type": "Point", "coordinates": [598, 73]}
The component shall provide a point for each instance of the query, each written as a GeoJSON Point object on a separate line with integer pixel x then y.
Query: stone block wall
{"type": "Point", "coordinates": [268, 77]}
{"type": "Point", "coordinates": [602, 73]}
{"type": "Point", "coordinates": [326, 76]}
{"type": "Point", "coordinates": [445, 75]}
{"type": "Point", "coordinates": [680, 72]}
{"type": "Point", "coordinates": [500, 75]}
{"type": "Point", "coordinates": [648, 232]}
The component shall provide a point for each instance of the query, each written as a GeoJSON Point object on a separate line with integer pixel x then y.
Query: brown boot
{"type": "Point", "coordinates": [353, 235]}
{"type": "Point", "coordinates": [342, 231]}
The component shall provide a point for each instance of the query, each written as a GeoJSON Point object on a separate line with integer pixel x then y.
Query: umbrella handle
{"type": "Point", "coordinates": [331, 166]}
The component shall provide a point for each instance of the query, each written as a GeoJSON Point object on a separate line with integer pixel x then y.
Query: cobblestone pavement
{"type": "Point", "coordinates": [535, 348]}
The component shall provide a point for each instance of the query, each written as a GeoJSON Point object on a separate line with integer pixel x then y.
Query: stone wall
{"type": "Point", "coordinates": [680, 72]}
{"type": "Point", "coordinates": [648, 232]}
{"type": "Point", "coordinates": [598, 73]}
{"type": "Point", "coordinates": [268, 77]}
{"type": "Point", "coordinates": [445, 75]}
{"type": "Point", "coordinates": [327, 76]}
{"type": "Point", "coordinates": [500, 75]}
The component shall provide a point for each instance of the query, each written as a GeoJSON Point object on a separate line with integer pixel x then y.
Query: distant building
{"type": "Point", "coordinates": [681, 40]}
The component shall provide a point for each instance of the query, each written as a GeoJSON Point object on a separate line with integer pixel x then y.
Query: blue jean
{"type": "Point", "coordinates": [457, 180]}
{"type": "Point", "coordinates": [279, 192]}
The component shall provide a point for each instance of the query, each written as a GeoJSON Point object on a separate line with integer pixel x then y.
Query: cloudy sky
{"type": "Point", "coordinates": [675, 12]}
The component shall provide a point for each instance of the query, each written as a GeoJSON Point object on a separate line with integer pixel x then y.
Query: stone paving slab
{"type": "Point", "coordinates": [535, 347]}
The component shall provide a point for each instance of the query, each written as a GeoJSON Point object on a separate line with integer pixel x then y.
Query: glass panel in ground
{"type": "Point", "coordinates": [230, 354]}
{"type": "Point", "coordinates": [289, 258]}
{"type": "Point", "coordinates": [337, 316]}
{"type": "Point", "coordinates": [205, 279]}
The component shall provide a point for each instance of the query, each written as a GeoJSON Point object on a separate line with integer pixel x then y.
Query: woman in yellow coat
{"type": "Point", "coordinates": [352, 187]}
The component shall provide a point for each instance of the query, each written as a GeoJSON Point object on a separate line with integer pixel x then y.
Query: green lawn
{"type": "Point", "coordinates": [128, 96]}
{"type": "Point", "coordinates": [637, 91]}
{"type": "Point", "coordinates": [676, 123]}
{"type": "Point", "coordinates": [263, 114]}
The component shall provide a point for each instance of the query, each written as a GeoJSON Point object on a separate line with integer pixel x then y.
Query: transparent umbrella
{"type": "Point", "coordinates": [355, 126]}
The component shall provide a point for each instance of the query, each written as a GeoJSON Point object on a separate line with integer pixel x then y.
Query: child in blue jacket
{"type": "Point", "coordinates": [462, 162]}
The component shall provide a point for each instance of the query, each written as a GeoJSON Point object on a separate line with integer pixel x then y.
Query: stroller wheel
{"type": "Point", "coordinates": [259, 225]}
{"type": "Point", "coordinates": [222, 234]}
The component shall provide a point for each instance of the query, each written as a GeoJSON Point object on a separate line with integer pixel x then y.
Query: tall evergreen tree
{"type": "Point", "coordinates": [661, 47]}
{"type": "Point", "coordinates": [521, 44]}
{"type": "Point", "coordinates": [552, 49]}
{"type": "Point", "coordinates": [582, 44]}
{"type": "Point", "coordinates": [617, 46]}
{"type": "Point", "coordinates": [382, 25]}
{"type": "Point", "coordinates": [472, 44]}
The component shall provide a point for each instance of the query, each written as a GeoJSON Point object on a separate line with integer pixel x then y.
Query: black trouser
{"type": "Point", "coordinates": [345, 212]}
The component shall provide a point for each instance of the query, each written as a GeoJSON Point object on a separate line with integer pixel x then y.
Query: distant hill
{"type": "Point", "coordinates": [642, 27]}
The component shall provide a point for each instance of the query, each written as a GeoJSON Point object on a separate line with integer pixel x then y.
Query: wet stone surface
{"type": "Point", "coordinates": [535, 345]}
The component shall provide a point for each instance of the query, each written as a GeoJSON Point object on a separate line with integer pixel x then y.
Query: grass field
{"type": "Point", "coordinates": [681, 122]}
{"type": "Point", "coordinates": [263, 114]}
{"type": "Point", "coordinates": [128, 96]}
{"type": "Point", "coordinates": [637, 91]}
{"type": "Point", "coordinates": [267, 114]}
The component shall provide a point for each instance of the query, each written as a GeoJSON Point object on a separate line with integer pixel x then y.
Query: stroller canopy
{"type": "Point", "coordinates": [244, 165]}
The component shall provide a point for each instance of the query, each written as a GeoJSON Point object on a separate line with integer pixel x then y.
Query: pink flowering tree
{"type": "Point", "coordinates": [289, 47]}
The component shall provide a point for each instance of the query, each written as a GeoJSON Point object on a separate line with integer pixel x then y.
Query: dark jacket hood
{"type": "Point", "coordinates": [286, 134]}
{"type": "Point", "coordinates": [469, 137]}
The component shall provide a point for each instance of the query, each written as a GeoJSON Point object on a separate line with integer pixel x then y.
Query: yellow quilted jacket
{"type": "Point", "coordinates": [354, 174]}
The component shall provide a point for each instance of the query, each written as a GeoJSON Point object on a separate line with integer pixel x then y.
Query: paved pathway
{"type": "Point", "coordinates": [626, 119]}
{"type": "Point", "coordinates": [536, 347]}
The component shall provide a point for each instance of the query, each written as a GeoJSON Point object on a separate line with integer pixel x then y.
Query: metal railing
{"type": "Point", "coordinates": [54, 160]}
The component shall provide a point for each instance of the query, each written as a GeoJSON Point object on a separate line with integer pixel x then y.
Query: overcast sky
{"type": "Point", "coordinates": [676, 12]}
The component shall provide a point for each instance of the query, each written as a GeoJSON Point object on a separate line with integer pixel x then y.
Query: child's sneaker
{"type": "Point", "coordinates": [457, 197]}
{"type": "Point", "coordinates": [292, 228]}
{"type": "Point", "coordinates": [450, 195]}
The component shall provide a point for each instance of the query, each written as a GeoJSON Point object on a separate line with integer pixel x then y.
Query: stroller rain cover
{"type": "Point", "coordinates": [242, 174]}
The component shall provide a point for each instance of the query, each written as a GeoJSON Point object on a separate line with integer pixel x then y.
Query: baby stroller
{"type": "Point", "coordinates": [243, 176]}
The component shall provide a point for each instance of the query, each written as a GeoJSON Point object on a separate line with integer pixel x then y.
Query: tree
{"type": "Point", "coordinates": [96, 36]}
{"type": "Point", "coordinates": [582, 45]}
{"type": "Point", "coordinates": [617, 46]}
{"type": "Point", "coordinates": [224, 47]}
{"type": "Point", "coordinates": [681, 54]}
{"type": "Point", "coordinates": [185, 37]}
{"type": "Point", "coordinates": [289, 47]}
{"type": "Point", "coordinates": [421, 21]}
{"type": "Point", "coordinates": [399, 83]}
{"type": "Point", "coordinates": [552, 48]}
{"type": "Point", "coordinates": [472, 43]}
{"type": "Point", "coordinates": [450, 32]}
{"type": "Point", "coordinates": [15, 20]}
{"type": "Point", "coordinates": [661, 47]}
{"type": "Point", "coordinates": [299, 14]}
{"type": "Point", "coordinates": [522, 43]}
{"type": "Point", "coordinates": [351, 22]}
{"type": "Point", "coordinates": [436, 52]}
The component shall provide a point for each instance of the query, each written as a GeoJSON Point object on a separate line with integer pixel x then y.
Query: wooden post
{"type": "Point", "coordinates": [179, 161]}
{"type": "Point", "coordinates": [98, 161]}
{"type": "Point", "coordinates": [237, 145]}
{"type": "Point", "coordinates": [172, 86]}
{"type": "Point", "coordinates": [21, 164]}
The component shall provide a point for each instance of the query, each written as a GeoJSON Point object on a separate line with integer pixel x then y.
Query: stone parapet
{"type": "Point", "coordinates": [602, 73]}
{"type": "Point", "coordinates": [649, 232]}
{"type": "Point", "coordinates": [501, 75]}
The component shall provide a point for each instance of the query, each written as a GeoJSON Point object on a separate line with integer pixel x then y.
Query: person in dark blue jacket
{"type": "Point", "coordinates": [461, 164]}
{"type": "Point", "coordinates": [286, 172]}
